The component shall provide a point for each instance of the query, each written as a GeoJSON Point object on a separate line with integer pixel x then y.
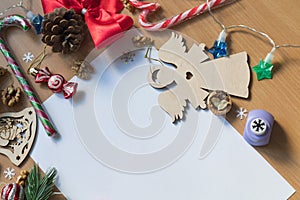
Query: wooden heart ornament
{"type": "Point", "coordinates": [17, 133]}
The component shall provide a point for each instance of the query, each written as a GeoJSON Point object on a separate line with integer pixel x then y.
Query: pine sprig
{"type": "Point", "coordinates": [38, 187]}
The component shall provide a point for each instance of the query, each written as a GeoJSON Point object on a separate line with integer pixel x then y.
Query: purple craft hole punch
{"type": "Point", "coordinates": [258, 127]}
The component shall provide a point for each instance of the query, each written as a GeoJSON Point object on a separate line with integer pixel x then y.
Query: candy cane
{"type": "Point", "coordinates": [147, 8]}
{"type": "Point", "coordinates": [20, 21]}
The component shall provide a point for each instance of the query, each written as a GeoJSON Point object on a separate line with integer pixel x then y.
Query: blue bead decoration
{"type": "Point", "coordinates": [219, 49]}
{"type": "Point", "coordinates": [36, 21]}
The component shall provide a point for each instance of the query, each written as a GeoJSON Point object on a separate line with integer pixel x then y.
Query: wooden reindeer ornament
{"type": "Point", "coordinates": [194, 75]}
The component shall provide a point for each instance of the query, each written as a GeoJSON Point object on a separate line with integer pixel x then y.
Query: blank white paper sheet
{"type": "Point", "coordinates": [116, 143]}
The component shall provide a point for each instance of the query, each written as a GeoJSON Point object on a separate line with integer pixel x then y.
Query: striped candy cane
{"type": "Point", "coordinates": [24, 24]}
{"type": "Point", "coordinates": [147, 8]}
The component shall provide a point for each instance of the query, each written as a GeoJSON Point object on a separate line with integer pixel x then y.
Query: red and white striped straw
{"type": "Point", "coordinates": [147, 8]}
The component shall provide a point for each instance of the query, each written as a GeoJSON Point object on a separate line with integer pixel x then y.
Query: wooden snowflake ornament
{"type": "Point", "coordinates": [194, 75]}
{"type": "Point", "coordinates": [17, 133]}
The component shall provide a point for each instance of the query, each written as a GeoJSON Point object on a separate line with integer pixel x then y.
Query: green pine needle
{"type": "Point", "coordinates": [38, 187]}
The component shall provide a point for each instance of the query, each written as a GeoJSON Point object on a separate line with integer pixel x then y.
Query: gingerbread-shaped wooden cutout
{"type": "Point", "coordinates": [194, 75]}
{"type": "Point", "coordinates": [17, 133]}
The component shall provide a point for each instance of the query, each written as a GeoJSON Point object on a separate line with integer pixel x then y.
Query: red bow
{"type": "Point", "coordinates": [100, 16]}
{"type": "Point", "coordinates": [56, 82]}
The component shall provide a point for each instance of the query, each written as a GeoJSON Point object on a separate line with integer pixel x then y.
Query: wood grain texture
{"type": "Point", "coordinates": [279, 96]}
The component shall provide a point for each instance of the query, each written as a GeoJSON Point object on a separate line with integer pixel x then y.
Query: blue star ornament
{"type": "Point", "coordinates": [219, 49]}
{"type": "Point", "coordinates": [263, 70]}
{"type": "Point", "coordinates": [36, 21]}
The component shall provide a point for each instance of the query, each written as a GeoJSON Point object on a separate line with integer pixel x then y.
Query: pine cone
{"type": "Point", "coordinates": [82, 69]}
{"type": "Point", "coordinates": [11, 95]}
{"type": "Point", "coordinates": [142, 41]}
{"type": "Point", "coordinates": [128, 6]}
{"type": "Point", "coordinates": [22, 177]}
{"type": "Point", "coordinates": [63, 30]}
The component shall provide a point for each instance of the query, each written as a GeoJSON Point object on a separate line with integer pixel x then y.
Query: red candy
{"type": "Point", "coordinates": [56, 82]}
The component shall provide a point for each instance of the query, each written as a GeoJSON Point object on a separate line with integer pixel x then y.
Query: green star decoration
{"type": "Point", "coordinates": [263, 70]}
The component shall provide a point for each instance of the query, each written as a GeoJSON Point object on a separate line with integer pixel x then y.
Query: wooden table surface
{"type": "Point", "coordinates": [279, 96]}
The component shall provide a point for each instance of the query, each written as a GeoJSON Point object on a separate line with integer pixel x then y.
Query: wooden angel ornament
{"type": "Point", "coordinates": [194, 75]}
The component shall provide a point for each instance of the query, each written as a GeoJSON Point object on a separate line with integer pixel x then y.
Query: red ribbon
{"type": "Point", "coordinates": [56, 82]}
{"type": "Point", "coordinates": [101, 17]}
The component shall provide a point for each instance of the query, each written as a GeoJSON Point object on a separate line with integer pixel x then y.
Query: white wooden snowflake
{"type": "Point", "coordinates": [28, 57]}
{"type": "Point", "coordinates": [9, 173]}
{"type": "Point", "coordinates": [241, 113]}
